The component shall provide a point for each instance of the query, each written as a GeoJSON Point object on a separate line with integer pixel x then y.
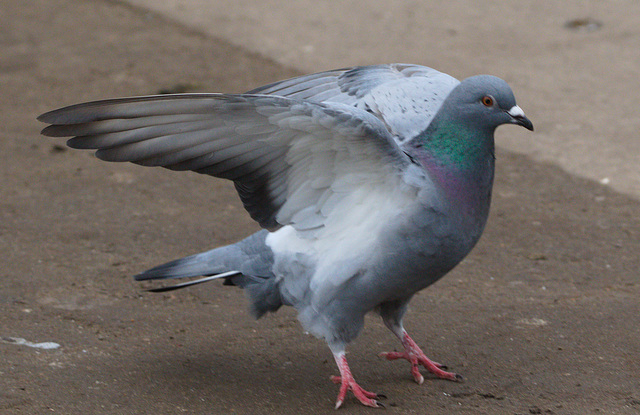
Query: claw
{"type": "Point", "coordinates": [348, 383]}
{"type": "Point", "coordinates": [416, 357]}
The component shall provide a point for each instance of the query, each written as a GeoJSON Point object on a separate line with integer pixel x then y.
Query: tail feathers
{"type": "Point", "coordinates": [225, 275]}
{"type": "Point", "coordinates": [191, 266]}
{"type": "Point", "coordinates": [247, 264]}
{"type": "Point", "coordinates": [263, 292]}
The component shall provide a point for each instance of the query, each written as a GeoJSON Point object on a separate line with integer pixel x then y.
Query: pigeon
{"type": "Point", "coordinates": [370, 184]}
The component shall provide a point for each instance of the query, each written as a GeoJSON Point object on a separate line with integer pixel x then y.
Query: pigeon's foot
{"type": "Point", "coordinates": [348, 383]}
{"type": "Point", "coordinates": [416, 357]}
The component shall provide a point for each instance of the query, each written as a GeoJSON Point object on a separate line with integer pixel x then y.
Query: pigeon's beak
{"type": "Point", "coordinates": [518, 117]}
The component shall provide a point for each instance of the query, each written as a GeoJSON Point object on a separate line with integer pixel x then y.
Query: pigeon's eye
{"type": "Point", "coordinates": [487, 101]}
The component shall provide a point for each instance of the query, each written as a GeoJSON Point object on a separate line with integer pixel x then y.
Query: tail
{"type": "Point", "coordinates": [225, 275]}
{"type": "Point", "coordinates": [247, 264]}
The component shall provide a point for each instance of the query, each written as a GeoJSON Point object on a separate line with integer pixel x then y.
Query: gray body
{"type": "Point", "coordinates": [371, 182]}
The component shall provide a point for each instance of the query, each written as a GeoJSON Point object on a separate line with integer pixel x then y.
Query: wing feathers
{"type": "Point", "coordinates": [292, 161]}
{"type": "Point", "coordinates": [136, 107]}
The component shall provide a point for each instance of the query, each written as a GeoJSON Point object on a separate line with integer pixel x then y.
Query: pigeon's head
{"type": "Point", "coordinates": [460, 136]}
{"type": "Point", "coordinates": [489, 101]}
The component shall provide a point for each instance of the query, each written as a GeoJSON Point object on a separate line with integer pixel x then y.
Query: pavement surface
{"type": "Point", "coordinates": [542, 318]}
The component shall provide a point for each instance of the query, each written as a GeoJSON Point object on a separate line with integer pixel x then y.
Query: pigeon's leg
{"type": "Point", "coordinates": [348, 383]}
{"type": "Point", "coordinates": [415, 355]}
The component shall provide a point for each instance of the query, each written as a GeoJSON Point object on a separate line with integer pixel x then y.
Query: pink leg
{"type": "Point", "coordinates": [348, 383]}
{"type": "Point", "coordinates": [416, 357]}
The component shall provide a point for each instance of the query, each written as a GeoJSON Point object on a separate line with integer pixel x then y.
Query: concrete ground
{"type": "Point", "coordinates": [542, 318]}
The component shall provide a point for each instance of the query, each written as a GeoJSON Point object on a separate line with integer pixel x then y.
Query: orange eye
{"type": "Point", "coordinates": [487, 101]}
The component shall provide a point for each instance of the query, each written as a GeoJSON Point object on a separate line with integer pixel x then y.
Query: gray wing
{"type": "Point", "coordinates": [291, 161]}
{"type": "Point", "coordinates": [405, 97]}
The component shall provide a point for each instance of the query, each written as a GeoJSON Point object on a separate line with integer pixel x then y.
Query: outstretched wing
{"type": "Point", "coordinates": [291, 160]}
{"type": "Point", "coordinates": [405, 97]}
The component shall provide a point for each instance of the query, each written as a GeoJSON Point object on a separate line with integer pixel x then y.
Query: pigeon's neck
{"type": "Point", "coordinates": [460, 160]}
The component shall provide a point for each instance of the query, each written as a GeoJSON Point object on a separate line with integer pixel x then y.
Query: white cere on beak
{"type": "Point", "coordinates": [516, 111]}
